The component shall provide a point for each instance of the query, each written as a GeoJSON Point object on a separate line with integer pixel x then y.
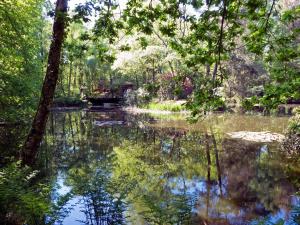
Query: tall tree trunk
{"type": "Point", "coordinates": [34, 138]}
{"type": "Point", "coordinates": [153, 71]}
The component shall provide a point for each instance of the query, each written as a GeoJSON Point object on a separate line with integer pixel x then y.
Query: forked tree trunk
{"type": "Point", "coordinates": [34, 138]}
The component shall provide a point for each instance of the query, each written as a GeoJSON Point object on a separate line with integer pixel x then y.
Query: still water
{"type": "Point", "coordinates": [118, 168]}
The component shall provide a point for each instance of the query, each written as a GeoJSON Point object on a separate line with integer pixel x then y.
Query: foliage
{"type": "Point", "coordinates": [168, 49]}
{"type": "Point", "coordinates": [291, 144]}
{"type": "Point", "coordinates": [21, 29]}
{"type": "Point", "coordinates": [248, 103]}
{"type": "Point", "coordinates": [172, 106]}
{"type": "Point", "coordinates": [20, 200]}
{"type": "Point", "coordinates": [94, 184]}
{"type": "Point", "coordinates": [294, 123]}
{"type": "Point", "coordinates": [67, 102]}
{"type": "Point", "coordinates": [206, 42]}
{"type": "Point", "coordinates": [205, 100]}
{"type": "Point", "coordinates": [149, 175]}
{"type": "Point", "coordinates": [282, 59]}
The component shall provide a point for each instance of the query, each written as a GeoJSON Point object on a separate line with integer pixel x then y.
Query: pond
{"type": "Point", "coordinates": [119, 168]}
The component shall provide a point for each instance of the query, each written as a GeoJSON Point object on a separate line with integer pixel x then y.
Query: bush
{"type": "Point", "coordinates": [294, 122]}
{"type": "Point", "coordinates": [20, 201]}
{"type": "Point", "coordinates": [67, 102]}
{"type": "Point", "coordinates": [291, 144]}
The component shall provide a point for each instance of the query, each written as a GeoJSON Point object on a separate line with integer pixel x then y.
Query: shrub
{"type": "Point", "coordinates": [20, 201]}
{"type": "Point", "coordinates": [294, 122]}
{"type": "Point", "coordinates": [67, 102]}
{"type": "Point", "coordinates": [291, 144]}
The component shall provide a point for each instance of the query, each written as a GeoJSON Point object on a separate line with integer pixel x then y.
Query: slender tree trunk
{"type": "Point", "coordinates": [70, 79]}
{"type": "Point", "coordinates": [207, 70]}
{"type": "Point", "coordinates": [80, 76]}
{"type": "Point", "coordinates": [75, 77]}
{"type": "Point", "coordinates": [61, 79]}
{"type": "Point", "coordinates": [220, 43]}
{"type": "Point", "coordinates": [208, 182]}
{"type": "Point", "coordinates": [208, 158]}
{"type": "Point", "coordinates": [153, 72]}
{"type": "Point", "coordinates": [214, 75]}
{"type": "Point", "coordinates": [217, 162]}
{"type": "Point", "coordinates": [34, 138]}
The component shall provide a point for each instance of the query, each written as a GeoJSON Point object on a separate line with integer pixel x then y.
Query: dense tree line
{"type": "Point", "coordinates": [243, 49]}
{"type": "Point", "coordinates": [21, 57]}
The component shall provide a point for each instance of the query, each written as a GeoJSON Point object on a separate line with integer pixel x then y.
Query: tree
{"type": "Point", "coordinates": [215, 30]}
{"type": "Point", "coordinates": [21, 28]}
{"type": "Point", "coordinates": [35, 135]}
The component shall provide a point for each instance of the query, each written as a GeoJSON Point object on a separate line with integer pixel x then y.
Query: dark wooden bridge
{"type": "Point", "coordinates": [101, 101]}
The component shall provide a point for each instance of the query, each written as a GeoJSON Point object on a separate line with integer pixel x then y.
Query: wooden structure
{"type": "Point", "coordinates": [112, 97]}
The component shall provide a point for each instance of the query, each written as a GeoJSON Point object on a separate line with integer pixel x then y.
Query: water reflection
{"type": "Point", "coordinates": [147, 171]}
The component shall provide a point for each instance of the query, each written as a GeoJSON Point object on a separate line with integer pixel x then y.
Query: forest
{"type": "Point", "coordinates": [149, 112]}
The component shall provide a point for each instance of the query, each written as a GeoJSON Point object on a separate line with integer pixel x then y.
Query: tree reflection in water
{"type": "Point", "coordinates": [143, 174]}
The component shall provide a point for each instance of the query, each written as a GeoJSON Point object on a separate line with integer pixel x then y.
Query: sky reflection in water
{"type": "Point", "coordinates": [165, 171]}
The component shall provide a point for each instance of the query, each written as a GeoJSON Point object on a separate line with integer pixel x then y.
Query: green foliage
{"type": "Point", "coordinates": [248, 104]}
{"type": "Point", "coordinates": [21, 57]}
{"type": "Point", "coordinates": [151, 174]}
{"type": "Point", "coordinates": [95, 184]}
{"type": "Point", "coordinates": [172, 106]}
{"type": "Point", "coordinates": [204, 41]}
{"type": "Point", "coordinates": [291, 144]}
{"type": "Point", "coordinates": [20, 200]}
{"type": "Point", "coordinates": [152, 89]}
{"type": "Point", "coordinates": [67, 101]}
{"type": "Point", "coordinates": [281, 56]}
{"type": "Point", "coordinates": [294, 122]}
{"type": "Point", "coordinates": [204, 99]}
{"type": "Point", "coordinates": [165, 37]}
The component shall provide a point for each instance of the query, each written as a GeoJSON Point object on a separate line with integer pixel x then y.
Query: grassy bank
{"type": "Point", "coordinates": [172, 106]}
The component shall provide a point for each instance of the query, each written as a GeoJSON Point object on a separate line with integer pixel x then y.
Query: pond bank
{"type": "Point", "coordinates": [136, 110]}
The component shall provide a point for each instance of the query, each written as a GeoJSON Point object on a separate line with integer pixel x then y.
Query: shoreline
{"type": "Point", "coordinates": [136, 110]}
